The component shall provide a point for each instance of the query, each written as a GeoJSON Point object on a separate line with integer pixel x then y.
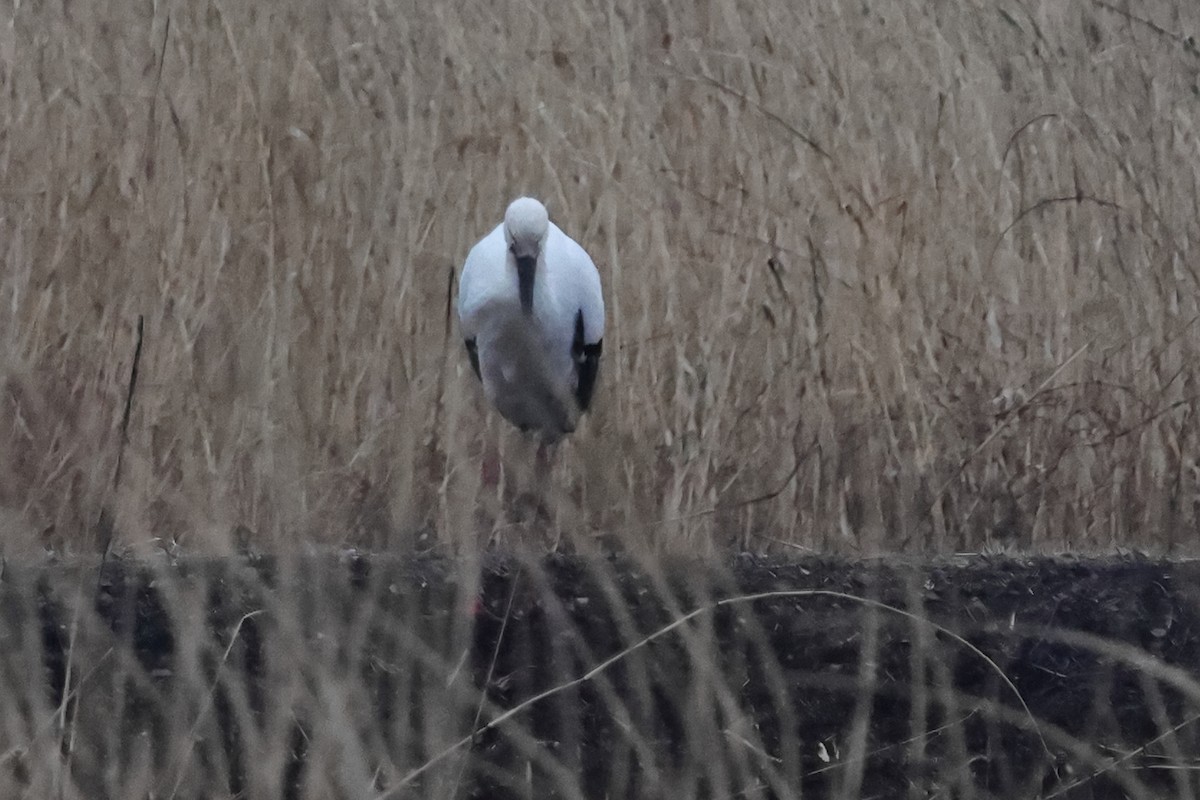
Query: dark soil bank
{"type": "Point", "coordinates": [985, 677]}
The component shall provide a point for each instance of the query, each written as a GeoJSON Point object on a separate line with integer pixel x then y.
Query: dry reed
{"type": "Point", "coordinates": [893, 277]}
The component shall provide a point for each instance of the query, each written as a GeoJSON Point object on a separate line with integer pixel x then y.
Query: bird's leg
{"type": "Point", "coordinates": [543, 462]}
{"type": "Point", "coordinates": [550, 500]}
{"type": "Point", "coordinates": [528, 485]}
{"type": "Point", "coordinates": [489, 466]}
{"type": "Point", "coordinates": [491, 485]}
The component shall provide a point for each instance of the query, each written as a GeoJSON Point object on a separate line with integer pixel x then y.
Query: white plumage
{"type": "Point", "coordinates": [532, 316]}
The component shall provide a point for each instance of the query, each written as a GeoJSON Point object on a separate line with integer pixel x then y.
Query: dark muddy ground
{"type": "Point", "coordinates": [974, 677]}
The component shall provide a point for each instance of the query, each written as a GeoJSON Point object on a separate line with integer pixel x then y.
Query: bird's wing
{"type": "Point", "coordinates": [478, 281]}
{"type": "Point", "coordinates": [587, 362]}
{"type": "Point", "coordinates": [476, 286]}
{"type": "Point", "coordinates": [587, 302]}
{"type": "Point", "coordinates": [582, 282]}
{"type": "Point", "coordinates": [473, 355]}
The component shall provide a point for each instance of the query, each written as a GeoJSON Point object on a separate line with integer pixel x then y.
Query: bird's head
{"type": "Point", "coordinates": [526, 225]}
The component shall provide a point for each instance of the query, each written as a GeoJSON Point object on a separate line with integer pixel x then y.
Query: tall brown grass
{"type": "Point", "coordinates": [880, 277]}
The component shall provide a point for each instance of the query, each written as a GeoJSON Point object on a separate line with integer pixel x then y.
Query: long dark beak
{"type": "Point", "coordinates": [526, 270]}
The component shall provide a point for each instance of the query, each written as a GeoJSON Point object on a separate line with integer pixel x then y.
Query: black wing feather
{"type": "Point", "coordinates": [473, 354]}
{"type": "Point", "coordinates": [587, 363]}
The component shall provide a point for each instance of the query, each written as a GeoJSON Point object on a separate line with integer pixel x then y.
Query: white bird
{"type": "Point", "coordinates": [532, 315]}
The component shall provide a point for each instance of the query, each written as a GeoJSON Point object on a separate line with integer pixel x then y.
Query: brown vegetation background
{"type": "Point", "coordinates": [880, 277]}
